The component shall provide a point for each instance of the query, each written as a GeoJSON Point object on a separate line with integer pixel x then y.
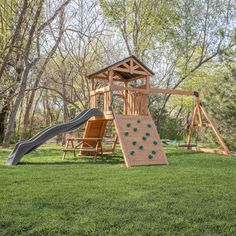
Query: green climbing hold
{"type": "Point", "coordinates": [138, 121]}
{"type": "Point", "coordinates": [128, 125]}
{"type": "Point", "coordinates": [148, 134]}
{"type": "Point", "coordinates": [154, 152]}
{"type": "Point", "coordinates": [140, 147]}
{"type": "Point", "coordinates": [126, 133]}
{"type": "Point", "coordinates": [132, 152]}
{"type": "Point", "coordinates": [134, 142]}
{"type": "Point", "coordinates": [149, 125]}
{"type": "Point", "coordinates": [144, 138]}
{"type": "Point", "coordinates": [150, 156]}
{"type": "Point", "coordinates": [155, 142]}
{"type": "Point", "coordinates": [135, 129]}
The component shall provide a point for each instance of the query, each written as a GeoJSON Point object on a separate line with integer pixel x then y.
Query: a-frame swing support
{"type": "Point", "coordinates": [198, 112]}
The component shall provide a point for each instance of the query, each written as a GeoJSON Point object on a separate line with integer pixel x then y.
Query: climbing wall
{"type": "Point", "coordinates": [139, 140]}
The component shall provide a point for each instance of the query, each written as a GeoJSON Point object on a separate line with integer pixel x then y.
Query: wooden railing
{"type": "Point", "coordinates": [137, 103]}
{"type": "Point", "coordinates": [135, 99]}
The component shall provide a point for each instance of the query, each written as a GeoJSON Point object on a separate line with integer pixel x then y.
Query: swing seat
{"type": "Point", "coordinates": [188, 145]}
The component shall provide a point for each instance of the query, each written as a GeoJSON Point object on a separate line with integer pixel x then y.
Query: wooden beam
{"type": "Point", "coordinates": [125, 65]}
{"type": "Point", "coordinates": [147, 72]}
{"type": "Point", "coordinates": [136, 78]}
{"type": "Point", "coordinates": [136, 67]}
{"type": "Point", "coordinates": [172, 91]}
{"type": "Point", "coordinates": [210, 150]}
{"type": "Point", "coordinates": [118, 95]}
{"type": "Point", "coordinates": [100, 77]}
{"type": "Point", "coordinates": [121, 63]}
{"type": "Point", "coordinates": [121, 78]}
{"type": "Point", "coordinates": [121, 69]}
{"type": "Point", "coordinates": [100, 90]}
{"type": "Point", "coordinates": [131, 68]}
{"type": "Point", "coordinates": [121, 88]}
{"type": "Point", "coordinates": [110, 76]}
{"type": "Point", "coordinates": [140, 72]}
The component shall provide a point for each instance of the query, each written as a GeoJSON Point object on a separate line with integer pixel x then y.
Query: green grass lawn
{"type": "Point", "coordinates": [194, 195]}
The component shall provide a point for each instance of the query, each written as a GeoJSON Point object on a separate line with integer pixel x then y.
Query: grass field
{"type": "Point", "coordinates": [194, 195]}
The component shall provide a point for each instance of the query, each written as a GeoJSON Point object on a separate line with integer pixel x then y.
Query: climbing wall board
{"type": "Point", "coordinates": [139, 140]}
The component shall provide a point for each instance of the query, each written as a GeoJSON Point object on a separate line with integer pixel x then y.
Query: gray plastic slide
{"type": "Point", "coordinates": [26, 147]}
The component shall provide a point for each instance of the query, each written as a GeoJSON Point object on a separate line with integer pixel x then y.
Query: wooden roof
{"type": "Point", "coordinates": [126, 69]}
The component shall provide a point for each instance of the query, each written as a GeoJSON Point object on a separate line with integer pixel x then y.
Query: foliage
{"type": "Point", "coordinates": [222, 106]}
{"type": "Point", "coordinates": [141, 22]}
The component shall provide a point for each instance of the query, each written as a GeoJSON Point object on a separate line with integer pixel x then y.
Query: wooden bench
{"type": "Point", "coordinates": [83, 145]}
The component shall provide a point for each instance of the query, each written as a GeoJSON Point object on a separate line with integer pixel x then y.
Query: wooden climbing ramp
{"type": "Point", "coordinates": [139, 140]}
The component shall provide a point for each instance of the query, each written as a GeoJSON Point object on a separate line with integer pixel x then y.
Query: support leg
{"type": "Point", "coordinates": [73, 146]}
{"type": "Point", "coordinates": [64, 154]}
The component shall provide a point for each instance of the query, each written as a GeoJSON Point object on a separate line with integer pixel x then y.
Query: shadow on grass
{"type": "Point", "coordinates": [184, 153]}
{"type": "Point", "coordinates": [81, 161]}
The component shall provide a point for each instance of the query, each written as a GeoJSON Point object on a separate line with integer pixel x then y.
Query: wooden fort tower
{"type": "Point", "coordinates": [127, 81]}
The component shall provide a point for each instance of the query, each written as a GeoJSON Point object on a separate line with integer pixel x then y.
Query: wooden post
{"type": "Point", "coordinates": [199, 112]}
{"type": "Point", "coordinates": [73, 146]}
{"type": "Point", "coordinates": [148, 90]}
{"type": "Point", "coordinates": [110, 77]}
{"type": "Point", "coordinates": [114, 144]}
{"type": "Point", "coordinates": [91, 97]}
{"type": "Point", "coordinates": [64, 154]}
{"type": "Point", "coordinates": [192, 125]}
{"type": "Point", "coordinates": [93, 84]}
{"type": "Point", "coordinates": [131, 68]}
{"type": "Point", "coordinates": [125, 99]}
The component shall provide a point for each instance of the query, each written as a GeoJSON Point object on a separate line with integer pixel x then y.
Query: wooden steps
{"type": "Point", "coordinates": [139, 140]}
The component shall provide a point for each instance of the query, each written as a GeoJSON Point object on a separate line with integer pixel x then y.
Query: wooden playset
{"type": "Point", "coordinates": [135, 128]}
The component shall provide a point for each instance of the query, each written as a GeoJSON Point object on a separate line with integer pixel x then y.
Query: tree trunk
{"type": "Point", "coordinates": [4, 113]}
{"type": "Point", "coordinates": [23, 84]}
{"type": "Point", "coordinates": [19, 98]}
{"type": "Point", "coordinates": [28, 109]}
